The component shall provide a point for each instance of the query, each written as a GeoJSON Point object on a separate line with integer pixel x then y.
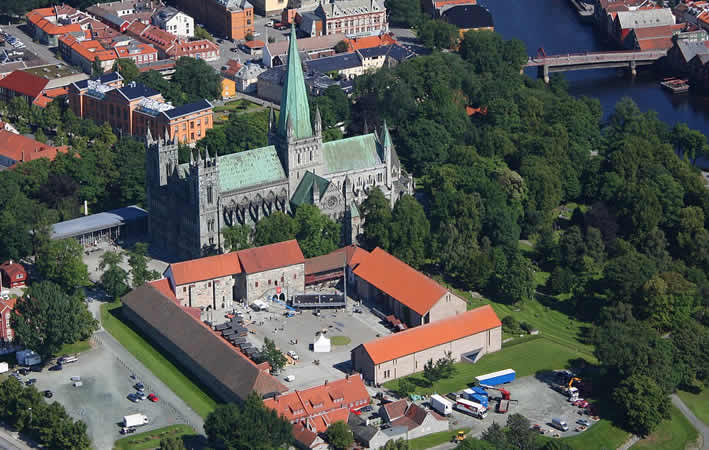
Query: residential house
{"type": "Point", "coordinates": [15, 149]}
{"type": "Point", "coordinates": [310, 24]}
{"type": "Point", "coordinates": [246, 77]}
{"type": "Point", "coordinates": [371, 436]}
{"type": "Point", "coordinates": [254, 48]}
{"type": "Point", "coordinates": [353, 17]}
{"type": "Point", "coordinates": [13, 274]}
{"type": "Point", "coordinates": [228, 88]}
{"type": "Point", "coordinates": [230, 19]}
{"type": "Point", "coordinates": [120, 14]}
{"type": "Point", "coordinates": [46, 24]}
{"type": "Point", "coordinates": [344, 65]}
{"type": "Point", "coordinates": [174, 21]}
{"type": "Point", "coordinates": [136, 51]}
{"type": "Point", "coordinates": [417, 421]}
{"type": "Point", "coordinates": [178, 330]}
{"type": "Point", "coordinates": [274, 54]}
{"type": "Point", "coordinates": [466, 336]}
{"type": "Point", "coordinates": [170, 46]}
{"type": "Point", "coordinates": [7, 334]}
{"type": "Point", "coordinates": [84, 53]}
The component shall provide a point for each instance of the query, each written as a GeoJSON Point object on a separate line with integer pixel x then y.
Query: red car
{"type": "Point", "coordinates": [356, 412]}
{"type": "Point", "coordinates": [581, 403]}
{"type": "Point", "coordinates": [153, 398]}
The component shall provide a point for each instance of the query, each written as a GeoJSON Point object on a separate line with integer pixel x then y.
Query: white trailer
{"type": "Point", "coordinates": [4, 367]}
{"type": "Point", "coordinates": [441, 405]}
{"type": "Point", "coordinates": [471, 408]}
{"type": "Point", "coordinates": [135, 420]}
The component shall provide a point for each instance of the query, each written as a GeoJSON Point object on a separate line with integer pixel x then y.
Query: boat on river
{"type": "Point", "coordinates": [675, 85]}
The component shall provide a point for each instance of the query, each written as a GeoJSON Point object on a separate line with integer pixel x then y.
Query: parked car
{"type": "Point", "coordinates": [153, 398]}
{"type": "Point", "coordinates": [30, 382]}
{"type": "Point", "coordinates": [36, 368]}
{"type": "Point", "coordinates": [139, 387]}
{"type": "Point", "coordinates": [141, 395]}
{"type": "Point", "coordinates": [48, 394]}
{"type": "Point", "coordinates": [56, 367]}
{"type": "Point", "coordinates": [584, 422]}
{"type": "Point", "coordinates": [293, 354]}
{"type": "Point", "coordinates": [75, 378]}
{"type": "Point", "coordinates": [24, 371]}
{"type": "Point", "coordinates": [367, 409]}
{"type": "Point", "coordinates": [128, 430]}
{"type": "Point", "coordinates": [132, 397]}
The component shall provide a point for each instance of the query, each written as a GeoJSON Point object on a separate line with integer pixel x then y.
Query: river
{"type": "Point", "coordinates": [554, 25]}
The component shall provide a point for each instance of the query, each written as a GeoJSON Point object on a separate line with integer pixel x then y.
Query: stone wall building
{"type": "Point", "coordinates": [275, 269]}
{"type": "Point", "coordinates": [209, 281]}
{"type": "Point", "coordinates": [190, 203]}
{"type": "Point", "coordinates": [469, 336]}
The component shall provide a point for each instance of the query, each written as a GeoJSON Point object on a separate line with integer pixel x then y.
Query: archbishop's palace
{"type": "Point", "coordinates": [190, 203]}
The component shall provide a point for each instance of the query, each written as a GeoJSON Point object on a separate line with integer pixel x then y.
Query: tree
{"type": "Point", "coordinates": [572, 249]}
{"type": "Point", "coordinates": [277, 227]}
{"type": "Point", "coordinates": [127, 68]}
{"type": "Point", "coordinates": [96, 68]}
{"type": "Point", "coordinates": [496, 436]}
{"type": "Point", "coordinates": [274, 356]}
{"type": "Point", "coordinates": [47, 318]}
{"type": "Point", "coordinates": [431, 372]}
{"type": "Point", "coordinates": [410, 231]}
{"type": "Point", "coordinates": [40, 136]}
{"type": "Point", "coordinates": [115, 278]}
{"type": "Point", "coordinates": [339, 435]}
{"type": "Point", "coordinates": [341, 47]}
{"type": "Point", "coordinates": [248, 426]}
{"type": "Point", "coordinates": [201, 33]}
{"type": "Point", "coordinates": [398, 444]}
{"type": "Point", "coordinates": [377, 220]}
{"type": "Point", "coordinates": [317, 233]}
{"type": "Point", "coordinates": [437, 34]}
{"type": "Point", "coordinates": [197, 79]}
{"type": "Point", "coordinates": [519, 433]}
{"type": "Point", "coordinates": [60, 261]}
{"type": "Point", "coordinates": [517, 282]}
{"type": "Point", "coordinates": [171, 443]}
{"type": "Point", "coordinates": [405, 387]}
{"type": "Point", "coordinates": [643, 403]}
{"type": "Point", "coordinates": [403, 12]}
{"type": "Point", "coordinates": [688, 143]}
{"type": "Point", "coordinates": [138, 262]}
{"type": "Point", "coordinates": [237, 237]}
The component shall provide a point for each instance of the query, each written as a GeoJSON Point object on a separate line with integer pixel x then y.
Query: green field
{"type": "Point", "coordinates": [602, 435]}
{"type": "Point", "coordinates": [527, 358]}
{"type": "Point", "coordinates": [151, 439]}
{"type": "Point", "coordinates": [698, 403]}
{"type": "Point", "coordinates": [673, 434]}
{"type": "Point", "coordinates": [340, 340]}
{"type": "Point", "coordinates": [163, 368]}
{"type": "Point", "coordinates": [433, 439]}
{"type": "Point", "coordinates": [237, 105]}
{"type": "Point", "coordinates": [76, 347]}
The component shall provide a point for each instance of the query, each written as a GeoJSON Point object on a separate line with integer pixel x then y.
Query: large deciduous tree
{"type": "Point", "coordinates": [410, 231]}
{"type": "Point", "coordinates": [643, 403]}
{"type": "Point", "coordinates": [339, 435]}
{"type": "Point", "coordinates": [317, 233]}
{"type": "Point", "coordinates": [237, 237]}
{"type": "Point", "coordinates": [377, 220]}
{"type": "Point", "coordinates": [277, 227]}
{"type": "Point", "coordinates": [60, 261]}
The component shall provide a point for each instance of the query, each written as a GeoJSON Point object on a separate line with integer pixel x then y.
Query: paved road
{"type": "Point", "coordinates": [38, 49]}
{"type": "Point", "coordinates": [150, 380]}
{"type": "Point", "coordinates": [9, 442]}
{"type": "Point", "coordinates": [698, 424]}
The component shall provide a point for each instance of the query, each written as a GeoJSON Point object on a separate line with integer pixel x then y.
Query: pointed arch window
{"type": "Point", "coordinates": [209, 195]}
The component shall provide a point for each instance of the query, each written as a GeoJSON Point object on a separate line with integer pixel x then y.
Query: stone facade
{"type": "Point", "coordinates": [254, 286]}
{"type": "Point", "coordinates": [487, 341]}
{"type": "Point", "coordinates": [217, 293]}
{"type": "Point", "coordinates": [190, 203]}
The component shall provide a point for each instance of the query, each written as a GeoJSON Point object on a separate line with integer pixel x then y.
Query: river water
{"type": "Point", "coordinates": [554, 25]}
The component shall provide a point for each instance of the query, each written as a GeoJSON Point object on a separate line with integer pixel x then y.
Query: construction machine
{"type": "Point", "coordinates": [459, 436]}
{"type": "Point", "coordinates": [504, 404]}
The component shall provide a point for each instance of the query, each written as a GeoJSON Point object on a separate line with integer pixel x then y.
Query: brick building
{"type": "Point", "coordinates": [136, 109]}
{"type": "Point", "coordinates": [83, 53]}
{"type": "Point", "coordinates": [13, 274]}
{"type": "Point", "coordinates": [206, 281]}
{"type": "Point", "coordinates": [353, 17]}
{"type": "Point", "coordinates": [469, 335]}
{"type": "Point", "coordinates": [398, 290]}
{"type": "Point", "coordinates": [171, 46]}
{"type": "Point", "coordinates": [7, 334]}
{"type": "Point", "coordinates": [230, 19]}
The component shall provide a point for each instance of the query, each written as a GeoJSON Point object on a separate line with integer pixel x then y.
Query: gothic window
{"type": "Point", "coordinates": [209, 195]}
{"type": "Point", "coordinates": [256, 284]}
{"type": "Point", "coordinates": [211, 241]}
{"type": "Point", "coordinates": [379, 177]}
{"type": "Point", "coordinates": [311, 155]}
{"type": "Point", "coordinates": [298, 158]}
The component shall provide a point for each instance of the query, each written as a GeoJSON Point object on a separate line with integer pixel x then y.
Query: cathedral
{"type": "Point", "coordinates": [190, 203]}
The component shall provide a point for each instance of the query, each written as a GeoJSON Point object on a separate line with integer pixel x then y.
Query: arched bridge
{"type": "Point", "coordinates": [592, 60]}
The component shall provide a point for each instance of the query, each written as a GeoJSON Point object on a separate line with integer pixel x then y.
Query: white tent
{"type": "Point", "coordinates": [321, 344]}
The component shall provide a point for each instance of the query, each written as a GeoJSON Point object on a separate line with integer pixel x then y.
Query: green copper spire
{"type": "Point", "coordinates": [387, 137]}
{"type": "Point", "coordinates": [294, 100]}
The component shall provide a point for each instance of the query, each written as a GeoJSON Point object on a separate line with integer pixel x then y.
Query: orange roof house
{"type": "Point", "coordinates": [22, 84]}
{"type": "Point", "coordinates": [272, 256]}
{"type": "Point", "coordinates": [15, 148]}
{"type": "Point", "coordinates": [201, 269]}
{"type": "Point", "coordinates": [360, 43]}
{"type": "Point", "coordinates": [412, 297]}
{"type": "Point", "coordinates": [46, 23]}
{"type": "Point", "coordinates": [13, 274]}
{"type": "Point", "coordinates": [467, 335]}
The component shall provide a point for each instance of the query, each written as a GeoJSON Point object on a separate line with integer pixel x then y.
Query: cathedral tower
{"type": "Point", "coordinates": [204, 178]}
{"type": "Point", "coordinates": [299, 143]}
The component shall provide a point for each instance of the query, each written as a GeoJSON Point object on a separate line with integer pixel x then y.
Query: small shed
{"type": "Point", "coordinates": [322, 344]}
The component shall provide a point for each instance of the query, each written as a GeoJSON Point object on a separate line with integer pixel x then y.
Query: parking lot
{"type": "Point", "coordinates": [101, 402]}
{"type": "Point", "coordinates": [359, 327]}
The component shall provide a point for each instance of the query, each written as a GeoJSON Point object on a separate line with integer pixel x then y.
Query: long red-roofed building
{"type": "Point", "coordinates": [15, 148]}
{"type": "Point", "coordinates": [468, 336]}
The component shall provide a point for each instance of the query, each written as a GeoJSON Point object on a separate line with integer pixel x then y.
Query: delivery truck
{"type": "Point", "coordinates": [495, 378]}
{"type": "Point", "coordinates": [471, 408]}
{"type": "Point", "coordinates": [135, 420]}
{"type": "Point", "coordinates": [441, 405]}
{"type": "Point", "coordinates": [474, 395]}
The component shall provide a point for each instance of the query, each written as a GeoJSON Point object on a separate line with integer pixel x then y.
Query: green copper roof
{"type": "Point", "coordinates": [294, 100]}
{"type": "Point", "coordinates": [304, 192]}
{"type": "Point", "coordinates": [250, 168]}
{"type": "Point", "coordinates": [387, 136]}
{"type": "Point", "coordinates": [359, 152]}
{"type": "Point", "coordinates": [354, 211]}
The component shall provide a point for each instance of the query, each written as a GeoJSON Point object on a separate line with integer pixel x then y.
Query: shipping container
{"type": "Point", "coordinates": [495, 378]}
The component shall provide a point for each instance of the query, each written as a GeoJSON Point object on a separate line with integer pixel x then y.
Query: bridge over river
{"type": "Point", "coordinates": [593, 60]}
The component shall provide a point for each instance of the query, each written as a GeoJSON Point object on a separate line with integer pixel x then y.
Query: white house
{"type": "Point", "coordinates": [174, 21]}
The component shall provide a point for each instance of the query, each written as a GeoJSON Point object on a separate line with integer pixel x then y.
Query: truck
{"type": "Point", "coordinates": [504, 404]}
{"type": "Point", "coordinates": [495, 378]}
{"type": "Point", "coordinates": [469, 407]}
{"type": "Point", "coordinates": [27, 358]}
{"type": "Point", "coordinates": [135, 420]}
{"type": "Point", "coordinates": [474, 395]}
{"type": "Point", "coordinates": [441, 405]}
{"type": "Point", "coordinates": [4, 367]}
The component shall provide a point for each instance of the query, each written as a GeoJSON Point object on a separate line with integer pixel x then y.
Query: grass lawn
{"type": "Point", "coordinates": [525, 357]}
{"type": "Point", "coordinates": [151, 439]}
{"type": "Point", "coordinates": [237, 105]}
{"type": "Point", "coordinates": [76, 347]}
{"type": "Point", "coordinates": [672, 434]}
{"type": "Point", "coordinates": [602, 435]}
{"type": "Point", "coordinates": [433, 439]}
{"type": "Point", "coordinates": [340, 340]}
{"type": "Point", "coordinates": [698, 403]}
{"type": "Point", "coordinates": [164, 369]}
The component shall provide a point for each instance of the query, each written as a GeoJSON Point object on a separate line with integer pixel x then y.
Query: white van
{"type": "Point", "coordinates": [290, 378]}
{"type": "Point", "coordinates": [78, 383]}
{"type": "Point", "coordinates": [68, 359]}
{"type": "Point", "coordinates": [560, 424]}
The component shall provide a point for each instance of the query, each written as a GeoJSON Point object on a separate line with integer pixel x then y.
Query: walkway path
{"type": "Point", "coordinates": [9, 442]}
{"type": "Point", "coordinates": [696, 423]}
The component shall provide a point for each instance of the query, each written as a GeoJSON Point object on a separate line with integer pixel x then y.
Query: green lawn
{"type": "Point", "coordinates": [76, 347]}
{"type": "Point", "coordinates": [433, 439]}
{"type": "Point", "coordinates": [673, 434]}
{"type": "Point", "coordinates": [525, 357]}
{"type": "Point", "coordinates": [151, 439]}
{"type": "Point", "coordinates": [340, 340]}
{"type": "Point", "coordinates": [698, 403]}
{"type": "Point", "coordinates": [163, 368]}
{"type": "Point", "coordinates": [602, 435]}
{"type": "Point", "coordinates": [237, 105]}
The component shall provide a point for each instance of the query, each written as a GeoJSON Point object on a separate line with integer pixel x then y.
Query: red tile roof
{"type": "Point", "coordinates": [370, 41]}
{"type": "Point", "coordinates": [655, 44]}
{"type": "Point", "coordinates": [12, 269]}
{"type": "Point", "coordinates": [334, 260]}
{"type": "Point", "coordinates": [430, 335]}
{"type": "Point", "coordinates": [396, 409]}
{"type": "Point", "coordinates": [163, 285]}
{"type": "Point", "coordinates": [232, 67]}
{"type": "Point", "coordinates": [255, 44]}
{"type": "Point", "coordinates": [206, 268]}
{"type": "Point", "coordinates": [89, 50]}
{"type": "Point", "coordinates": [191, 48]}
{"type": "Point", "coordinates": [24, 83]}
{"type": "Point", "coordinates": [21, 148]}
{"type": "Point", "coordinates": [335, 399]}
{"type": "Point", "coordinates": [5, 304]}
{"type": "Point", "coordinates": [273, 256]}
{"type": "Point", "coordinates": [400, 281]}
